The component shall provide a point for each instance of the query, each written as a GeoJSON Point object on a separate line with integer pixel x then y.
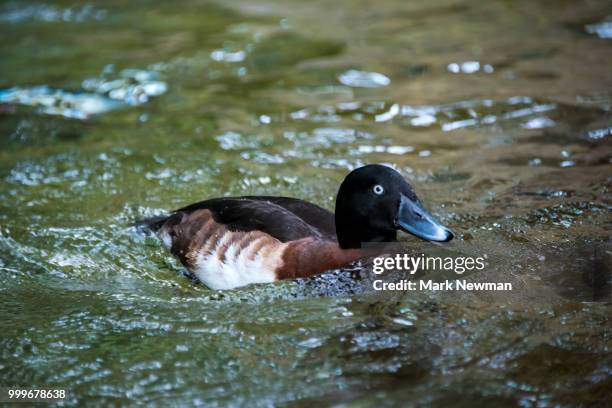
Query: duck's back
{"type": "Point", "coordinates": [284, 218]}
{"type": "Point", "coordinates": [234, 241]}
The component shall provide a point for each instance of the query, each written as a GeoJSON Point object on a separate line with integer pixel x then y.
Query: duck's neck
{"type": "Point", "coordinates": [351, 236]}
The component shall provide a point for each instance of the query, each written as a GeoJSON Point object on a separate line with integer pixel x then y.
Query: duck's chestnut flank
{"type": "Point", "coordinates": [234, 241]}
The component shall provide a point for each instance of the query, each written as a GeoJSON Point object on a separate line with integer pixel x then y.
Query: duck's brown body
{"type": "Point", "coordinates": [226, 255]}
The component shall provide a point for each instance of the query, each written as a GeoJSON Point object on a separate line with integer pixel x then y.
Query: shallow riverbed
{"type": "Point", "coordinates": [498, 112]}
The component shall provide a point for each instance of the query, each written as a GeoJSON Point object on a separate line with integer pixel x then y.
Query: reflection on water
{"type": "Point", "coordinates": [448, 117]}
{"type": "Point", "coordinates": [602, 30]}
{"type": "Point", "coordinates": [498, 113]}
{"type": "Point", "coordinates": [131, 87]}
{"type": "Point", "coordinates": [469, 67]}
{"type": "Point", "coordinates": [361, 79]}
{"type": "Point", "coordinates": [58, 102]}
{"type": "Point", "coordinates": [15, 12]}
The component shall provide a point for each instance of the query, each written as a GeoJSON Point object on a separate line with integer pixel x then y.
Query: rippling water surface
{"type": "Point", "coordinates": [498, 112]}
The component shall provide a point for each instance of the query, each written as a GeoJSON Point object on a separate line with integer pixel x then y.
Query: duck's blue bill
{"type": "Point", "coordinates": [414, 219]}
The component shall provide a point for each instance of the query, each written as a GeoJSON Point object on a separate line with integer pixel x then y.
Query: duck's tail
{"type": "Point", "coordinates": [152, 224]}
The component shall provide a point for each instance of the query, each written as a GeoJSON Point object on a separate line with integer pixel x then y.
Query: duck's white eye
{"type": "Point", "coordinates": [378, 189]}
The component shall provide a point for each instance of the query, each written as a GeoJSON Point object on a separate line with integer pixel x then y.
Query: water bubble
{"type": "Point", "coordinates": [538, 123]}
{"type": "Point", "coordinates": [371, 149]}
{"type": "Point", "coordinates": [400, 149]}
{"type": "Point", "coordinates": [535, 162]}
{"type": "Point", "coordinates": [348, 106]}
{"type": "Point", "coordinates": [469, 67]}
{"type": "Point", "coordinates": [393, 111]}
{"type": "Point", "coordinates": [602, 30]}
{"type": "Point", "coordinates": [301, 114]}
{"type": "Point", "coordinates": [363, 79]}
{"type": "Point", "coordinates": [489, 119]}
{"type": "Point", "coordinates": [231, 140]}
{"type": "Point", "coordinates": [423, 120]}
{"type": "Point", "coordinates": [312, 342]}
{"type": "Point", "coordinates": [133, 87]}
{"type": "Point", "coordinates": [454, 68]}
{"type": "Point", "coordinates": [228, 56]}
{"type": "Point", "coordinates": [159, 174]}
{"type": "Point", "coordinates": [155, 88]}
{"type": "Point", "coordinates": [447, 127]}
{"type": "Point", "coordinates": [52, 14]}
{"type": "Point", "coordinates": [57, 102]}
{"type": "Point", "coordinates": [403, 322]}
{"type": "Point", "coordinates": [599, 133]}
{"type": "Point", "coordinates": [336, 135]}
{"type": "Point", "coordinates": [529, 111]}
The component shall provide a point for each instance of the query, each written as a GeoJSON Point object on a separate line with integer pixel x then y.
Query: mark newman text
{"type": "Point", "coordinates": [460, 284]}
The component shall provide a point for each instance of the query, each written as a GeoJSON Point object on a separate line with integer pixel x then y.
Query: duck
{"type": "Point", "coordinates": [229, 242]}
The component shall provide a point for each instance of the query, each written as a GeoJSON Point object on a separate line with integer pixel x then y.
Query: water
{"type": "Point", "coordinates": [499, 113]}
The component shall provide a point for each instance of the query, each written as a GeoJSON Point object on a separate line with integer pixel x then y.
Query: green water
{"type": "Point", "coordinates": [512, 153]}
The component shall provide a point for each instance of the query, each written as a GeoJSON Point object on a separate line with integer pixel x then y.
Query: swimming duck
{"type": "Point", "coordinates": [235, 241]}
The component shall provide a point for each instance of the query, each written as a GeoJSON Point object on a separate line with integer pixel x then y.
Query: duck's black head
{"type": "Point", "coordinates": [374, 202]}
